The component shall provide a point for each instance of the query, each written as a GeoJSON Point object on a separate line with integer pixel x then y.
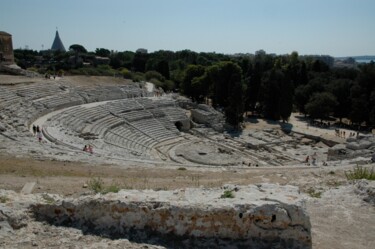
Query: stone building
{"type": "Point", "coordinates": [6, 48]}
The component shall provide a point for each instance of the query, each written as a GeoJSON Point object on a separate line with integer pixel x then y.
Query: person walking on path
{"type": "Point", "coordinates": [313, 158]}
{"type": "Point", "coordinates": [307, 159]}
{"type": "Point", "coordinates": [34, 130]}
{"type": "Point", "coordinates": [90, 149]}
{"type": "Point", "coordinates": [39, 135]}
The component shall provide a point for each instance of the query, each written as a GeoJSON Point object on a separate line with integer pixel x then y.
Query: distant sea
{"type": "Point", "coordinates": [359, 59]}
{"type": "Point", "coordinates": [364, 60]}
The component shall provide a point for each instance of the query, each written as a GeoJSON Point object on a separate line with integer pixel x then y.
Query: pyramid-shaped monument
{"type": "Point", "coordinates": [57, 44]}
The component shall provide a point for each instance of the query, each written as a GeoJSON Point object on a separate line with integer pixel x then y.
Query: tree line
{"type": "Point", "coordinates": [269, 85]}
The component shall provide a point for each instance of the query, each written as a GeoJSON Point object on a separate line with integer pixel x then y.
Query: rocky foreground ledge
{"type": "Point", "coordinates": [254, 216]}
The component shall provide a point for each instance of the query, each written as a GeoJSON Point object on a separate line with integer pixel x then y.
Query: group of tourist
{"type": "Point", "coordinates": [313, 159]}
{"type": "Point", "coordinates": [320, 124]}
{"type": "Point", "coordinates": [340, 133]}
{"type": "Point", "coordinates": [37, 131]}
{"type": "Point", "coordinates": [88, 148]}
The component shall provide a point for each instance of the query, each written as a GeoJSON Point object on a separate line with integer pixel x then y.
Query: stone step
{"type": "Point", "coordinates": [28, 188]}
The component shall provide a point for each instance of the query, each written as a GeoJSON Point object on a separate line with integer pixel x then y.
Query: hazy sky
{"type": "Point", "coordinates": [334, 27]}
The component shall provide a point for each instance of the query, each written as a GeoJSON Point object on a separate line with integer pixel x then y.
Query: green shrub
{"type": "Point", "coordinates": [126, 73]}
{"type": "Point", "coordinates": [227, 194]}
{"type": "Point", "coordinates": [154, 75]}
{"type": "Point", "coordinates": [113, 188]}
{"type": "Point", "coordinates": [313, 193]}
{"type": "Point", "coordinates": [48, 199]}
{"type": "Point", "coordinates": [3, 199]}
{"type": "Point", "coordinates": [181, 168]}
{"type": "Point", "coordinates": [168, 85]}
{"type": "Point", "coordinates": [60, 73]}
{"type": "Point", "coordinates": [105, 70]}
{"type": "Point", "coordinates": [156, 82]}
{"type": "Point", "coordinates": [34, 69]}
{"type": "Point", "coordinates": [360, 172]}
{"type": "Point", "coordinates": [138, 77]}
{"type": "Point", "coordinates": [100, 70]}
{"type": "Point", "coordinates": [96, 185]}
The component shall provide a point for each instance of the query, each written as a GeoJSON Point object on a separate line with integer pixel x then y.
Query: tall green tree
{"type": "Point", "coordinates": [372, 108]}
{"type": "Point", "coordinates": [286, 99]}
{"type": "Point", "coordinates": [235, 109]}
{"type": "Point", "coordinates": [340, 88]}
{"type": "Point", "coordinates": [78, 48]}
{"type": "Point", "coordinates": [361, 95]}
{"type": "Point", "coordinates": [253, 86]}
{"type": "Point", "coordinates": [140, 61]}
{"type": "Point", "coordinates": [303, 93]}
{"type": "Point", "coordinates": [222, 77]}
{"type": "Point", "coordinates": [163, 68]}
{"type": "Point", "coordinates": [276, 96]}
{"type": "Point", "coordinates": [191, 72]}
{"type": "Point", "coordinates": [321, 105]}
{"type": "Point", "coordinates": [303, 77]}
{"type": "Point", "coordinates": [102, 52]}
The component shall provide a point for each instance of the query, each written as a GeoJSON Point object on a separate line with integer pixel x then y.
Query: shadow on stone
{"type": "Point", "coordinates": [189, 218]}
{"type": "Point", "coordinates": [170, 240]}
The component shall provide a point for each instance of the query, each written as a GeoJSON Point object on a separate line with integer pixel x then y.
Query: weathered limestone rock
{"type": "Point", "coordinates": [13, 215]}
{"type": "Point", "coordinates": [355, 147]}
{"type": "Point", "coordinates": [262, 216]}
{"type": "Point", "coordinates": [306, 141]}
{"type": "Point", "coordinates": [336, 152]}
{"type": "Point", "coordinates": [2, 128]}
{"type": "Point", "coordinates": [207, 153]}
{"type": "Point", "coordinates": [207, 115]}
{"type": "Point", "coordinates": [363, 144]}
{"type": "Point", "coordinates": [366, 189]}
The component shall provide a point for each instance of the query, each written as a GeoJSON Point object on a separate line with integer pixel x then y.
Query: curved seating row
{"type": "Point", "coordinates": [7, 97]}
{"type": "Point", "coordinates": [134, 126]}
{"type": "Point", "coordinates": [37, 90]}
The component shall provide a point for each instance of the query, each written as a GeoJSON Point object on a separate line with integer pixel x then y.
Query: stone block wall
{"type": "Point", "coordinates": [6, 48]}
{"type": "Point", "coordinates": [250, 218]}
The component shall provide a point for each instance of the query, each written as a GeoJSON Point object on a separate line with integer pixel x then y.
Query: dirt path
{"type": "Point", "coordinates": [67, 178]}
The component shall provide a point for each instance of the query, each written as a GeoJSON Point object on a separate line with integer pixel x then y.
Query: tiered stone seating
{"type": "Point", "coordinates": [123, 125]}
{"type": "Point", "coordinates": [157, 113]}
{"type": "Point", "coordinates": [168, 116]}
{"type": "Point", "coordinates": [60, 101]}
{"type": "Point", "coordinates": [121, 106]}
{"type": "Point", "coordinates": [133, 91]}
{"type": "Point", "coordinates": [69, 121]}
{"type": "Point", "coordinates": [60, 135]}
{"type": "Point", "coordinates": [154, 129]}
{"type": "Point", "coordinates": [130, 139]}
{"type": "Point", "coordinates": [96, 94]}
{"type": "Point", "coordinates": [136, 115]}
{"type": "Point", "coordinates": [174, 113]}
{"type": "Point", "coordinates": [76, 118]}
{"type": "Point", "coordinates": [7, 97]}
{"type": "Point", "coordinates": [168, 124]}
{"type": "Point", "coordinates": [37, 90]}
{"type": "Point", "coordinates": [146, 103]}
{"type": "Point", "coordinates": [101, 126]}
{"type": "Point", "coordinates": [163, 102]}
